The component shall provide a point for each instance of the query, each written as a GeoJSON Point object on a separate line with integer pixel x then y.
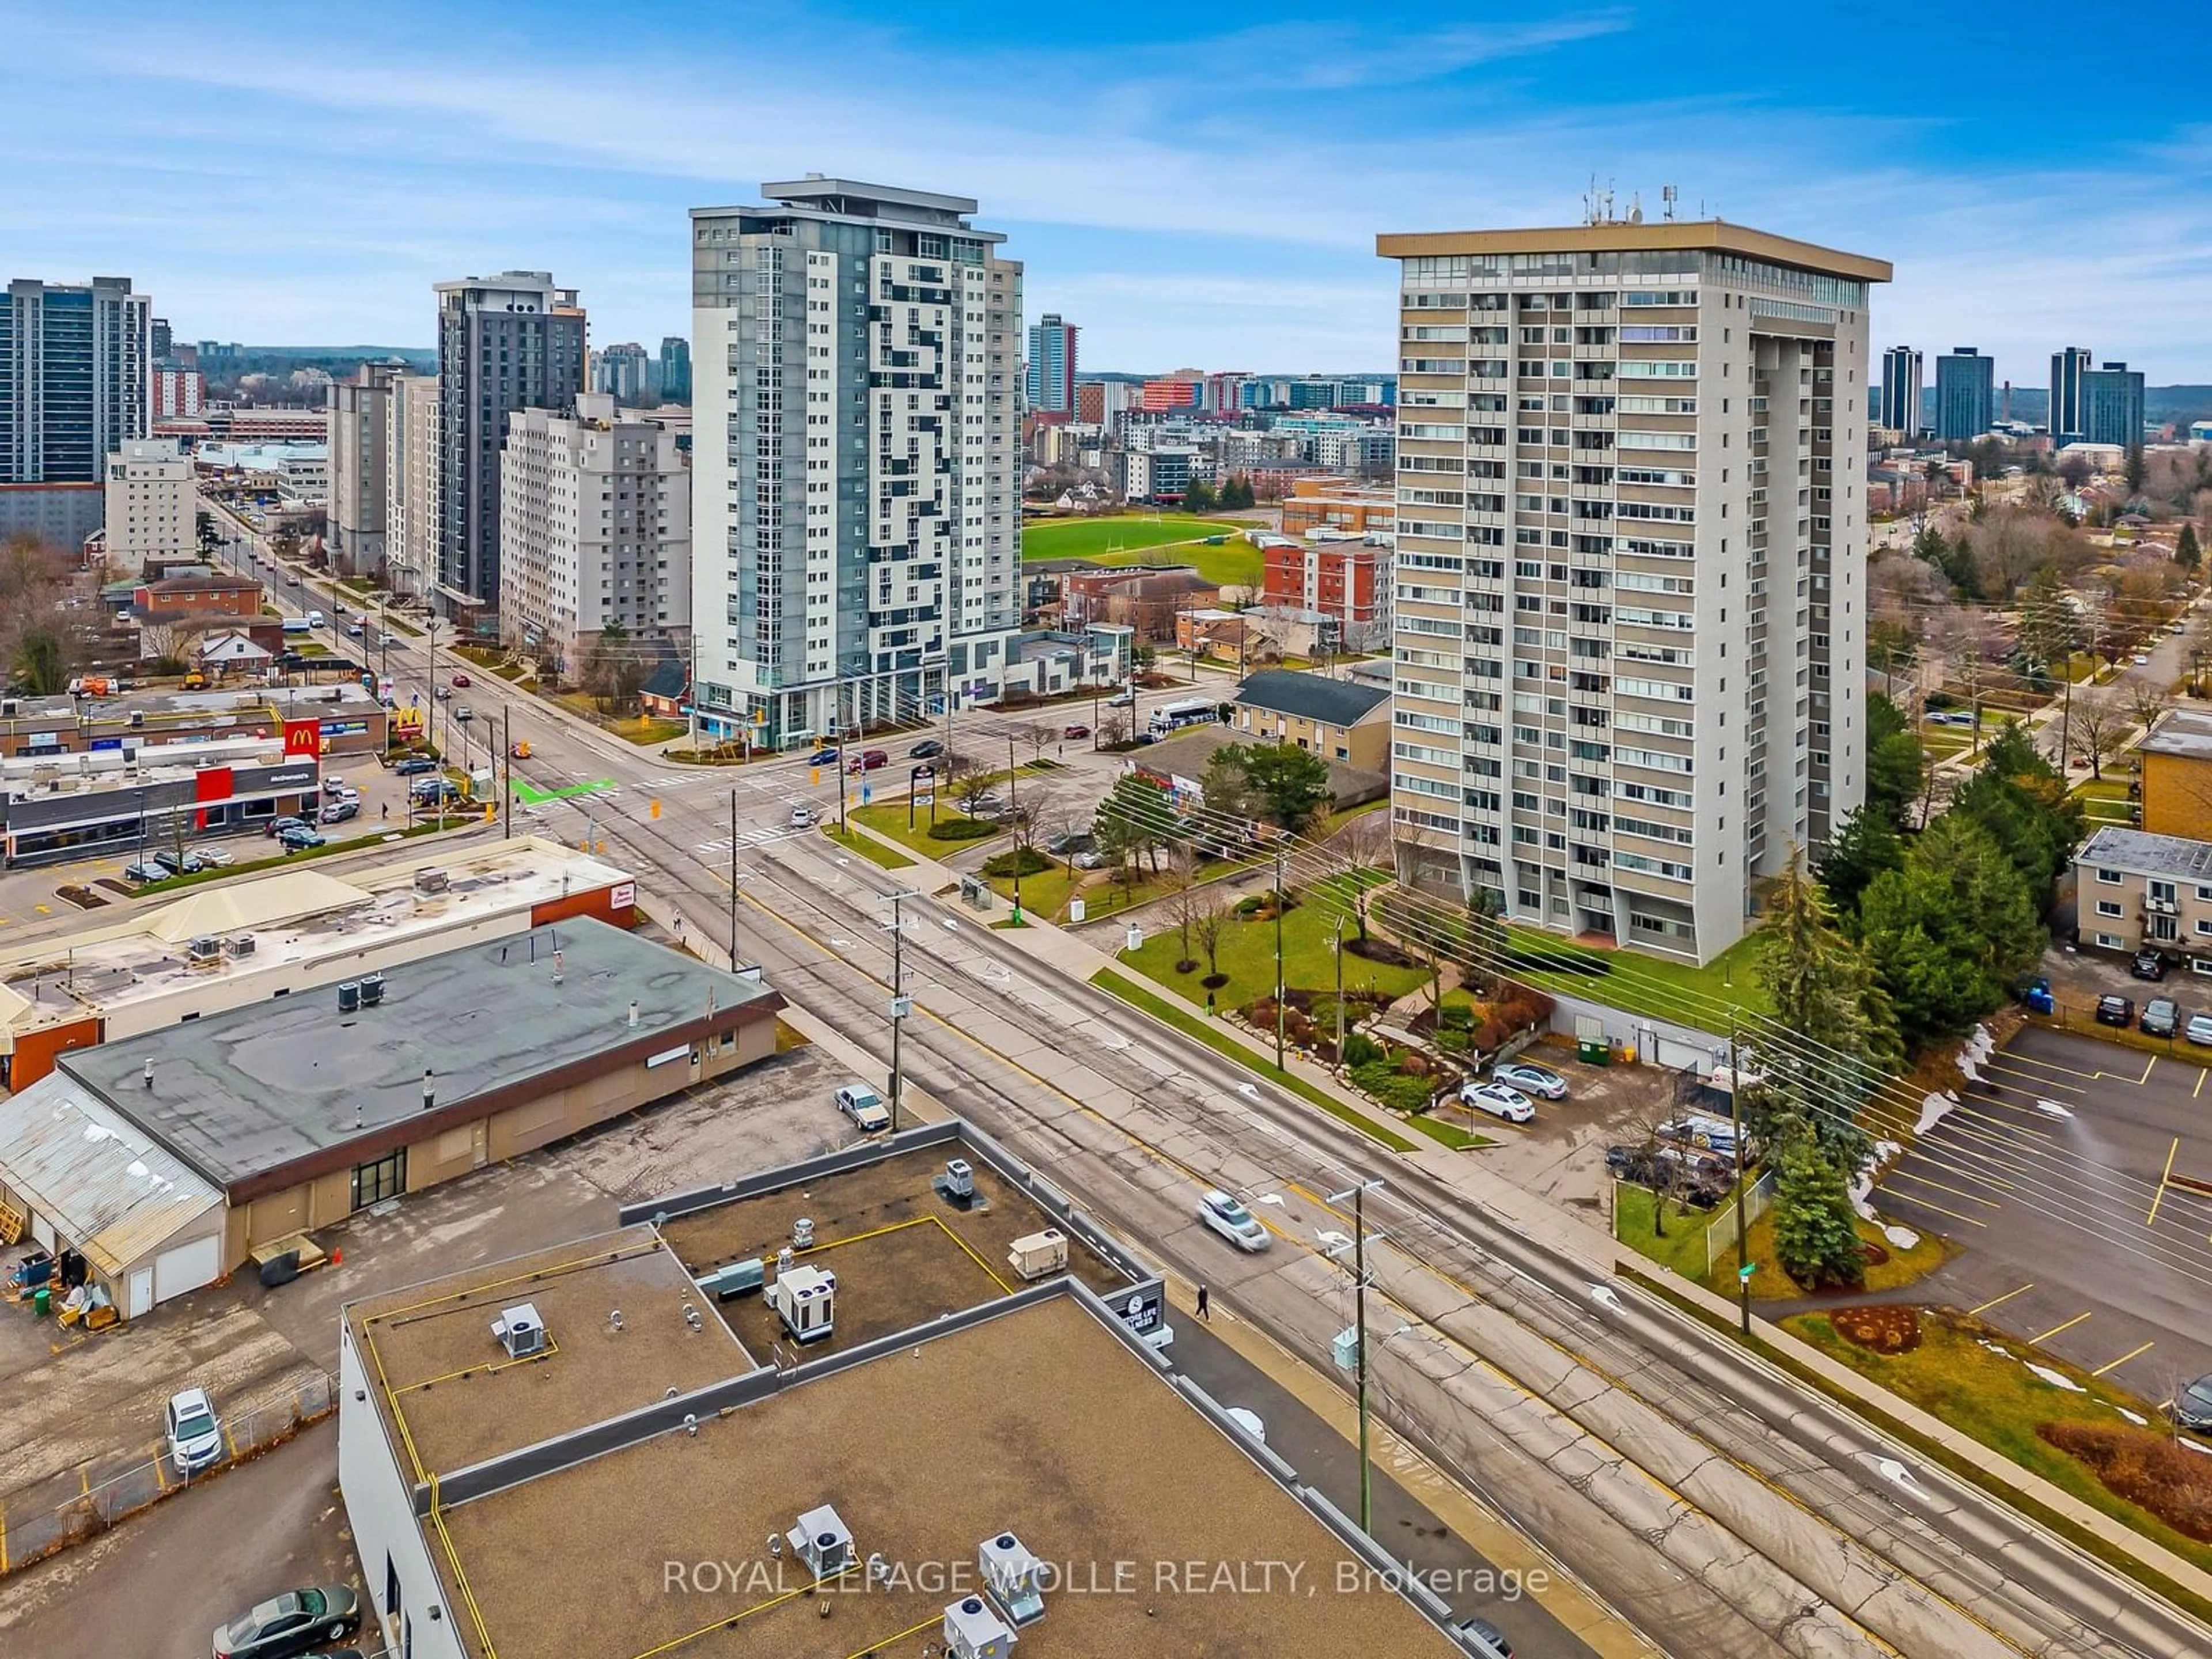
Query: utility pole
{"type": "Point", "coordinates": [844, 795]}
{"type": "Point", "coordinates": [1359, 1196]}
{"type": "Point", "coordinates": [507, 774]}
{"type": "Point", "coordinates": [1280, 901]}
{"type": "Point", "coordinates": [1338, 951]}
{"type": "Point", "coordinates": [1013, 808]}
{"type": "Point", "coordinates": [901, 1004]}
{"type": "Point", "coordinates": [1744, 1264]}
{"type": "Point", "coordinates": [733, 879]}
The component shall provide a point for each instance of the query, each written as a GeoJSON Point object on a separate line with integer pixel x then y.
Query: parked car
{"type": "Point", "coordinates": [195, 1436]}
{"type": "Point", "coordinates": [986, 805]}
{"type": "Point", "coordinates": [869, 760]}
{"type": "Point", "coordinates": [414, 765]}
{"type": "Point", "coordinates": [1530, 1078]}
{"type": "Point", "coordinates": [2199, 1030]}
{"type": "Point", "coordinates": [1071, 732]}
{"type": "Point", "coordinates": [865, 1107]}
{"type": "Point", "coordinates": [927, 749]}
{"type": "Point", "coordinates": [2140, 658]}
{"type": "Point", "coordinates": [462, 682]}
{"type": "Point", "coordinates": [300, 838]}
{"type": "Point", "coordinates": [802, 818]}
{"type": "Point", "coordinates": [335, 786]}
{"type": "Point", "coordinates": [1091, 860]}
{"type": "Point", "coordinates": [1498, 1101]}
{"type": "Point", "coordinates": [146, 870]}
{"type": "Point", "coordinates": [186, 863]}
{"type": "Point", "coordinates": [1227, 1217]}
{"type": "Point", "coordinates": [428, 792]}
{"type": "Point", "coordinates": [2115, 1010]}
{"type": "Point", "coordinates": [1067, 841]}
{"type": "Point", "coordinates": [211, 858]}
{"type": "Point", "coordinates": [278, 826]}
{"type": "Point", "coordinates": [2147, 964]}
{"type": "Point", "coordinates": [2192, 1406]}
{"type": "Point", "coordinates": [2161, 1017]}
{"type": "Point", "coordinates": [337, 812]}
{"type": "Point", "coordinates": [290, 1624]}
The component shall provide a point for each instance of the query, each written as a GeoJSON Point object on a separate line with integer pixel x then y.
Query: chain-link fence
{"type": "Point", "coordinates": [34, 1524]}
{"type": "Point", "coordinates": [2080, 1011]}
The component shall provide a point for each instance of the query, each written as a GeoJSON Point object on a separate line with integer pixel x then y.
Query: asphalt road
{"type": "Point", "coordinates": [2052, 1174]}
{"type": "Point", "coordinates": [158, 1586]}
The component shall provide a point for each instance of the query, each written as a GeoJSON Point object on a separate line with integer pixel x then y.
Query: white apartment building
{"type": "Point", "coordinates": [1629, 599]}
{"type": "Point", "coordinates": [411, 514]}
{"type": "Point", "coordinates": [855, 371]}
{"type": "Point", "coordinates": [595, 529]}
{"type": "Point", "coordinates": [152, 504]}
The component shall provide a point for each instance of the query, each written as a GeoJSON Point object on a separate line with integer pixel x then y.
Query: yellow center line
{"type": "Point", "coordinates": [2056, 1329]}
{"type": "Point", "coordinates": [2006, 1296]}
{"type": "Point", "coordinates": [2130, 1354]}
{"type": "Point", "coordinates": [2199, 1088]}
{"type": "Point", "coordinates": [2164, 1176]}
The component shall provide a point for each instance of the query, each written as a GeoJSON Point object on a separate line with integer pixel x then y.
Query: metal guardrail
{"type": "Point", "coordinates": [33, 1526]}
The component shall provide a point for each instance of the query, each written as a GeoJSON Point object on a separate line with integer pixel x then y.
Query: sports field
{"type": "Point", "coordinates": [1171, 538]}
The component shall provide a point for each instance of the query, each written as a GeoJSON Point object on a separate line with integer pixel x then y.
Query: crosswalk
{"type": "Point", "coordinates": [759, 835]}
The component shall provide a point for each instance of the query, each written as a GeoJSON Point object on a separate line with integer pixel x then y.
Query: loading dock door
{"type": "Point", "coordinates": [1682, 1056]}
{"type": "Point", "coordinates": [186, 1268]}
{"type": "Point", "coordinates": [42, 1231]}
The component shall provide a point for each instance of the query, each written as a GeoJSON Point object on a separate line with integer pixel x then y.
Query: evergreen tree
{"type": "Point", "coordinates": [1865, 845]}
{"type": "Point", "coordinates": [1832, 1036]}
{"type": "Point", "coordinates": [1954, 928]}
{"type": "Point", "coordinates": [1816, 1237]}
{"type": "Point", "coordinates": [2018, 796]}
{"type": "Point", "coordinates": [2186, 553]}
{"type": "Point", "coordinates": [1893, 760]}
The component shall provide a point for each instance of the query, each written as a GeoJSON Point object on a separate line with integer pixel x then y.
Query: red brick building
{"type": "Point", "coordinates": [1346, 579]}
{"type": "Point", "coordinates": [197, 596]}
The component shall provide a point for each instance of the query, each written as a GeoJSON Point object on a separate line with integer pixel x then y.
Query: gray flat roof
{"type": "Point", "coordinates": [241, 1094]}
{"type": "Point", "coordinates": [2139, 853]}
{"type": "Point", "coordinates": [2183, 731]}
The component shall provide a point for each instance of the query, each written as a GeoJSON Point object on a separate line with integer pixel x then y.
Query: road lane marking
{"type": "Point", "coordinates": [2056, 1329]}
{"type": "Point", "coordinates": [2131, 1353]}
{"type": "Point", "coordinates": [2201, 1075]}
{"type": "Point", "coordinates": [2164, 1176]}
{"type": "Point", "coordinates": [2006, 1296]}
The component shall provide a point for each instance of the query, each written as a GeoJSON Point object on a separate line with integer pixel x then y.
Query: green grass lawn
{"type": "Point", "coordinates": [1999, 1402]}
{"type": "Point", "coordinates": [1248, 957]}
{"type": "Point", "coordinates": [1195, 1026]}
{"type": "Point", "coordinates": [868, 847]}
{"type": "Point", "coordinates": [1682, 1248]}
{"type": "Point", "coordinates": [1658, 986]}
{"type": "Point", "coordinates": [888, 818]}
{"type": "Point", "coordinates": [1770, 1284]}
{"type": "Point", "coordinates": [1091, 538]}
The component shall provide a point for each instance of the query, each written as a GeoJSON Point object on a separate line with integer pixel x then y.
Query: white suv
{"type": "Point", "coordinates": [1225, 1216]}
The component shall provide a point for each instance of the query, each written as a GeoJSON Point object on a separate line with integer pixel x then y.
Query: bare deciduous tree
{"type": "Point", "coordinates": [2147, 702]}
{"type": "Point", "coordinates": [1185, 899]}
{"type": "Point", "coordinates": [1209, 923]}
{"type": "Point", "coordinates": [2097, 725]}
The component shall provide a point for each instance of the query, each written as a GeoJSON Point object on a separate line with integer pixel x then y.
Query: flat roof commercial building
{"type": "Point", "coordinates": [228, 943]}
{"type": "Point", "coordinates": [1631, 579]}
{"type": "Point", "coordinates": [968, 1457]}
{"type": "Point", "coordinates": [291, 1113]}
{"type": "Point", "coordinates": [348, 720]}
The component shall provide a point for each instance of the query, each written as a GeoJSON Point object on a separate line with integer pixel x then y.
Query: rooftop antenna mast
{"type": "Point", "coordinates": [1667, 195]}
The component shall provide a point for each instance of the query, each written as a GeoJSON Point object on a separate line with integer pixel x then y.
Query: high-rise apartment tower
{"type": "Point", "coordinates": [857, 533]}
{"type": "Point", "coordinates": [1630, 607]}
{"type": "Point", "coordinates": [1901, 390]}
{"type": "Point", "coordinates": [75, 365]}
{"type": "Point", "coordinates": [1966, 395]}
{"type": "Point", "coordinates": [505, 343]}
{"type": "Point", "coordinates": [2069, 419]}
{"type": "Point", "coordinates": [1052, 366]}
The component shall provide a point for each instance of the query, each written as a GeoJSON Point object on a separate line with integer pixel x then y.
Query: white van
{"type": "Point", "coordinates": [315, 619]}
{"type": "Point", "coordinates": [299, 625]}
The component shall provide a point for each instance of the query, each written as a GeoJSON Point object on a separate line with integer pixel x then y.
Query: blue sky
{"type": "Point", "coordinates": [1188, 184]}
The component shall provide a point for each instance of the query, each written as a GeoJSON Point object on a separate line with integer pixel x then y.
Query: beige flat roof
{"type": "Point", "coordinates": [1166, 1536]}
{"type": "Point", "coordinates": [1715, 234]}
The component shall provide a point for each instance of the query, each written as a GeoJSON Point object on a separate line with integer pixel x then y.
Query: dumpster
{"type": "Point", "coordinates": [1593, 1051]}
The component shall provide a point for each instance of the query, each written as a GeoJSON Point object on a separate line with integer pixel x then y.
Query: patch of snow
{"type": "Point", "coordinates": [94, 1133]}
{"type": "Point", "coordinates": [2052, 1109]}
{"type": "Point", "coordinates": [1268, 1197]}
{"type": "Point", "coordinates": [1970, 1067]}
{"type": "Point", "coordinates": [2136, 1418]}
{"type": "Point", "coordinates": [2193, 1445]}
{"type": "Point", "coordinates": [1933, 1110]}
{"type": "Point", "coordinates": [1904, 1238]}
{"type": "Point", "coordinates": [2057, 1380]}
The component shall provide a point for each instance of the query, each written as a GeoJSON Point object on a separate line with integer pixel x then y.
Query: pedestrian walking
{"type": "Point", "coordinates": [387, 810]}
{"type": "Point", "coordinates": [1205, 1305]}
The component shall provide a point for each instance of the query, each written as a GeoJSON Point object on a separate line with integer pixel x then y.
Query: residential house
{"type": "Point", "coordinates": [1337, 720]}
{"type": "Point", "coordinates": [2135, 890]}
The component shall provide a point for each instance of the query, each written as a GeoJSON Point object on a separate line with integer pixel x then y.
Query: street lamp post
{"type": "Point", "coordinates": [1358, 1196]}
{"type": "Point", "coordinates": [1279, 903]}
{"type": "Point", "coordinates": [1336, 949]}
{"type": "Point", "coordinates": [1013, 808]}
{"type": "Point", "coordinates": [900, 1004]}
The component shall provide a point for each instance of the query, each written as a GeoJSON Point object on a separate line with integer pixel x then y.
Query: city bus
{"type": "Point", "coordinates": [1191, 711]}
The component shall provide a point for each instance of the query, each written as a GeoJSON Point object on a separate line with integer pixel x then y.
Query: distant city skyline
{"type": "Point", "coordinates": [1175, 229]}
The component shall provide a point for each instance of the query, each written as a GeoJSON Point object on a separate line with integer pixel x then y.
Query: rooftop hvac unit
{"type": "Point", "coordinates": [432, 880]}
{"type": "Point", "coordinates": [959, 1178]}
{"type": "Point", "coordinates": [1038, 1255]}
{"type": "Point", "coordinates": [806, 1299]}
{"type": "Point", "coordinates": [348, 996]}
{"type": "Point", "coordinates": [823, 1541]}
{"type": "Point", "coordinates": [973, 1631]}
{"type": "Point", "coordinates": [1014, 1577]}
{"type": "Point", "coordinates": [372, 989]}
{"type": "Point", "coordinates": [204, 950]}
{"type": "Point", "coordinates": [519, 1330]}
{"type": "Point", "coordinates": [238, 945]}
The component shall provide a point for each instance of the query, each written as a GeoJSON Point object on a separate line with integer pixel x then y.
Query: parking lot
{"type": "Point", "coordinates": [1560, 1155]}
{"type": "Point", "coordinates": [85, 1411]}
{"type": "Point", "coordinates": [2064, 1173]}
